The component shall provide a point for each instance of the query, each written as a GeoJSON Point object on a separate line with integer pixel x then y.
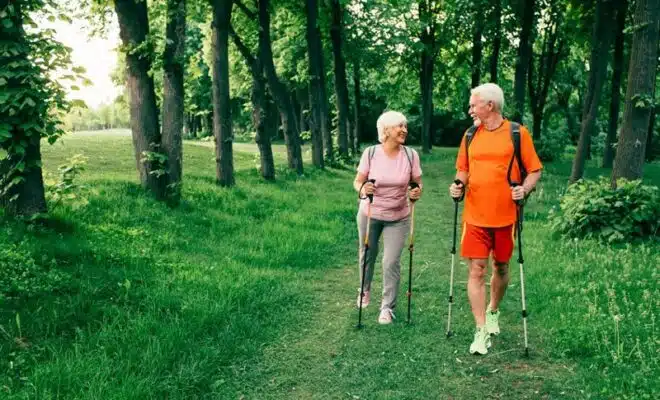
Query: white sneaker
{"type": "Point", "coordinates": [492, 321]}
{"type": "Point", "coordinates": [481, 342]}
{"type": "Point", "coordinates": [386, 316]}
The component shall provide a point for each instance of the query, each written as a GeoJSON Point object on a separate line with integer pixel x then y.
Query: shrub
{"type": "Point", "coordinates": [593, 209]}
{"type": "Point", "coordinates": [552, 145]}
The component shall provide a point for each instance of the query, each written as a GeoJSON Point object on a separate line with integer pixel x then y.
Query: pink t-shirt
{"type": "Point", "coordinates": [392, 176]}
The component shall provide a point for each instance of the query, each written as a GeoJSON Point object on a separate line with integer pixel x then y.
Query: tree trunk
{"type": "Point", "coordinates": [222, 122]}
{"type": "Point", "coordinates": [341, 87]}
{"type": "Point", "coordinates": [497, 40]}
{"type": "Point", "coordinates": [522, 63]}
{"type": "Point", "coordinates": [617, 72]}
{"type": "Point", "coordinates": [259, 109]}
{"type": "Point", "coordinates": [427, 38]}
{"type": "Point", "coordinates": [317, 98]}
{"type": "Point", "coordinates": [315, 127]}
{"type": "Point", "coordinates": [476, 44]}
{"type": "Point", "coordinates": [134, 30]}
{"type": "Point", "coordinates": [279, 92]}
{"type": "Point", "coordinates": [630, 150]}
{"type": "Point", "coordinates": [539, 76]}
{"type": "Point", "coordinates": [650, 151]}
{"type": "Point", "coordinates": [26, 197]}
{"type": "Point", "coordinates": [303, 98]}
{"type": "Point", "coordinates": [173, 94]}
{"type": "Point", "coordinates": [597, 69]}
{"type": "Point", "coordinates": [357, 108]}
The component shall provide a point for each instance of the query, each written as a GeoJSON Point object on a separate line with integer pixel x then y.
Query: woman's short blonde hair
{"type": "Point", "coordinates": [389, 119]}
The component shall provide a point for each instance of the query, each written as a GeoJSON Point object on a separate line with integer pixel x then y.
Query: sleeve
{"type": "Point", "coordinates": [461, 160]}
{"type": "Point", "coordinates": [530, 159]}
{"type": "Point", "coordinates": [363, 167]}
{"type": "Point", "coordinates": [416, 165]}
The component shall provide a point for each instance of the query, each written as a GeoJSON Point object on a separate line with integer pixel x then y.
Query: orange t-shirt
{"type": "Point", "coordinates": [488, 200]}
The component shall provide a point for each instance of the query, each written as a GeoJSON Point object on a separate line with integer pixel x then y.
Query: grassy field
{"type": "Point", "coordinates": [248, 293]}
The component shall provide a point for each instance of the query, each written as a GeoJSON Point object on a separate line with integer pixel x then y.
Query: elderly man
{"type": "Point", "coordinates": [493, 159]}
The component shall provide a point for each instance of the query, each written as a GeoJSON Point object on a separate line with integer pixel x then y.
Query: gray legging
{"type": "Point", "coordinates": [394, 234]}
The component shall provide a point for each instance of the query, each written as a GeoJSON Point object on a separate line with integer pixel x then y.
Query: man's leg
{"type": "Point", "coordinates": [499, 281]}
{"type": "Point", "coordinates": [476, 288]}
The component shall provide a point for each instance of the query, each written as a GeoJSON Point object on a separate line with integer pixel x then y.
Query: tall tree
{"type": "Point", "coordinates": [630, 151]}
{"type": "Point", "coordinates": [173, 94]}
{"type": "Point", "coordinates": [317, 96]}
{"type": "Point", "coordinates": [497, 39]}
{"type": "Point", "coordinates": [279, 91]}
{"type": "Point", "coordinates": [259, 109]}
{"type": "Point", "coordinates": [428, 11]}
{"type": "Point", "coordinates": [222, 121]}
{"type": "Point", "coordinates": [524, 55]}
{"type": "Point", "coordinates": [477, 47]}
{"type": "Point", "coordinates": [357, 107]}
{"type": "Point", "coordinates": [23, 117]}
{"type": "Point", "coordinates": [601, 39]}
{"type": "Point", "coordinates": [617, 73]}
{"type": "Point", "coordinates": [341, 86]}
{"type": "Point", "coordinates": [542, 67]}
{"type": "Point", "coordinates": [134, 31]}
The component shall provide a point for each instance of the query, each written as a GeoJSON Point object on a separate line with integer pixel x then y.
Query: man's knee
{"type": "Point", "coordinates": [501, 268]}
{"type": "Point", "coordinates": [478, 268]}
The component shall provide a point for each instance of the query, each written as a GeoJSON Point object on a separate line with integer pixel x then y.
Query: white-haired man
{"type": "Point", "coordinates": [393, 166]}
{"type": "Point", "coordinates": [492, 162]}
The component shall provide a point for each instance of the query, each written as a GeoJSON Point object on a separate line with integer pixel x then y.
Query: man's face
{"type": "Point", "coordinates": [479, 109]}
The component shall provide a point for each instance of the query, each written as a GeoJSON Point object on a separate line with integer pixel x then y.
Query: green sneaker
{"type": "Point", "coordinates": [481, 342]}
{"type": "Point", "coordinates": [492, 321]}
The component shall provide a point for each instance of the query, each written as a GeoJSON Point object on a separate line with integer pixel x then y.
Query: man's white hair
{"type": "Point", "coordinates": [389, 119]}
{"type": "Point", "coordinates": [490, 92]}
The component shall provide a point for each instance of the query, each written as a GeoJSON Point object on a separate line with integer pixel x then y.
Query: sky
{"type": "Point", "coordinates": [97, 55]}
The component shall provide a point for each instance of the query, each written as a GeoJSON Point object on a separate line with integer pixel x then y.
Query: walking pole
{"type": "Point", "coordinates": [453, 262]}
{"type": "Point", "coordinates": [366, 249]}
{"type": "Point", "coordinates": [411, 247]}
{"type": "Point", "coordinates": [519, 226]}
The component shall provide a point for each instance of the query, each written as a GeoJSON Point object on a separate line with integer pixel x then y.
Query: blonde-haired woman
{"type": "Point", "coordinates": [393, 167]}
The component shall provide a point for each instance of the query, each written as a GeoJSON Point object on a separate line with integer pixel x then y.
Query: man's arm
{"type": "Point", "coordinates": [530, 181]}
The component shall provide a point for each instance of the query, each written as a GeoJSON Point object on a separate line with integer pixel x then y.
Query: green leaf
{"type": "Point", "coordinates": [3, 81]}
{"type": "Point", "coordinates": [7, 23]}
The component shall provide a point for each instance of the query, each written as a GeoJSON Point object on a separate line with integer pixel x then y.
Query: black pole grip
{"type": "Point", "coordinates": [459, 183]}
{"type": "Point", "coordinates": [371, 196]}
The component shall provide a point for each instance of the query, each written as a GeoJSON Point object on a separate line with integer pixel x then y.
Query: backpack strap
{"type": "Point", "coordinates": [469, 136]}
{"type": "Point", "coordinates": [371, 150]}
{"type": "Point", "coordinates": [410, 155]}
{"type": "Point", "coordinates": [517, 154]}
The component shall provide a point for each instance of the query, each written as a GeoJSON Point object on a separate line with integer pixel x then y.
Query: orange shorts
{"type": "Point", "coordinates": [478, 242]}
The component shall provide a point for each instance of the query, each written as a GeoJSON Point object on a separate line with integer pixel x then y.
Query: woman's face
{"type": "Point", "coordinates": [398, 133]}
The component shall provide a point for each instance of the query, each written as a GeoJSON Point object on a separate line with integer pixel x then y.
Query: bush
{"type": "Point", "coordinates": [552, 145]}
{"type": "Point", "coordinates": [22, 277]}
{"type": "Point", "coordinates": [593, 209]}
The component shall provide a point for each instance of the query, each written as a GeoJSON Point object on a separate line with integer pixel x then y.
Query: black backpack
{"type": "Point", "coordinates": [517, 154]}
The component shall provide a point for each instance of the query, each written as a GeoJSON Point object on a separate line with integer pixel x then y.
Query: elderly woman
{"type": "Point", "coordinates": [393, 166]}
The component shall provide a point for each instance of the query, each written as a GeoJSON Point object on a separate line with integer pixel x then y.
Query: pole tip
{"type": "Point", "coordinates": [526, 352]}
{"type": "Point", "coordinates": [450, 334]}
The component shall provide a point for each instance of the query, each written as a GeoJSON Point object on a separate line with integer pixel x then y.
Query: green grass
{"type": "Point", "coordinates": [249, 293]}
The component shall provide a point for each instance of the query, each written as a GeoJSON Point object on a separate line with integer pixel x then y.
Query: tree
{"type": "Point", "coordinates": [259, 108]}
{"type": "Point", "coordinates": [341, 86]}
{"type": "Point", "coordinates": [279, 91]}
{"type": "Point", "coordinates": [222, 122]}
{"type": "Point", "coordinates": [630, 151]}
{"type": "Point", "coordinates": [478, 32]}
{"type": "Point", "coordinates": [617, 73]}
{"type": "Point", "coordinates": [173, 93]}
{"type": "Point", "coordinates": [134, 32]}
{"type": "Point", "coordinates": [497, 39]}
{"type": "Point", "coordinates": [428, 11]}
{"type": "Point", "coordinates": [317, 96]}
{"type": "Point", "coordinates": [524, 55]}
{"type": "Point", "coordinates": [597, 68]}
{"type": "Point", "coordinates": [542, 67]}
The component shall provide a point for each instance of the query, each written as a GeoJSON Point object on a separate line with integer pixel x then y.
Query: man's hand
{"type": "Point", "coordinates": [456, 190]}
